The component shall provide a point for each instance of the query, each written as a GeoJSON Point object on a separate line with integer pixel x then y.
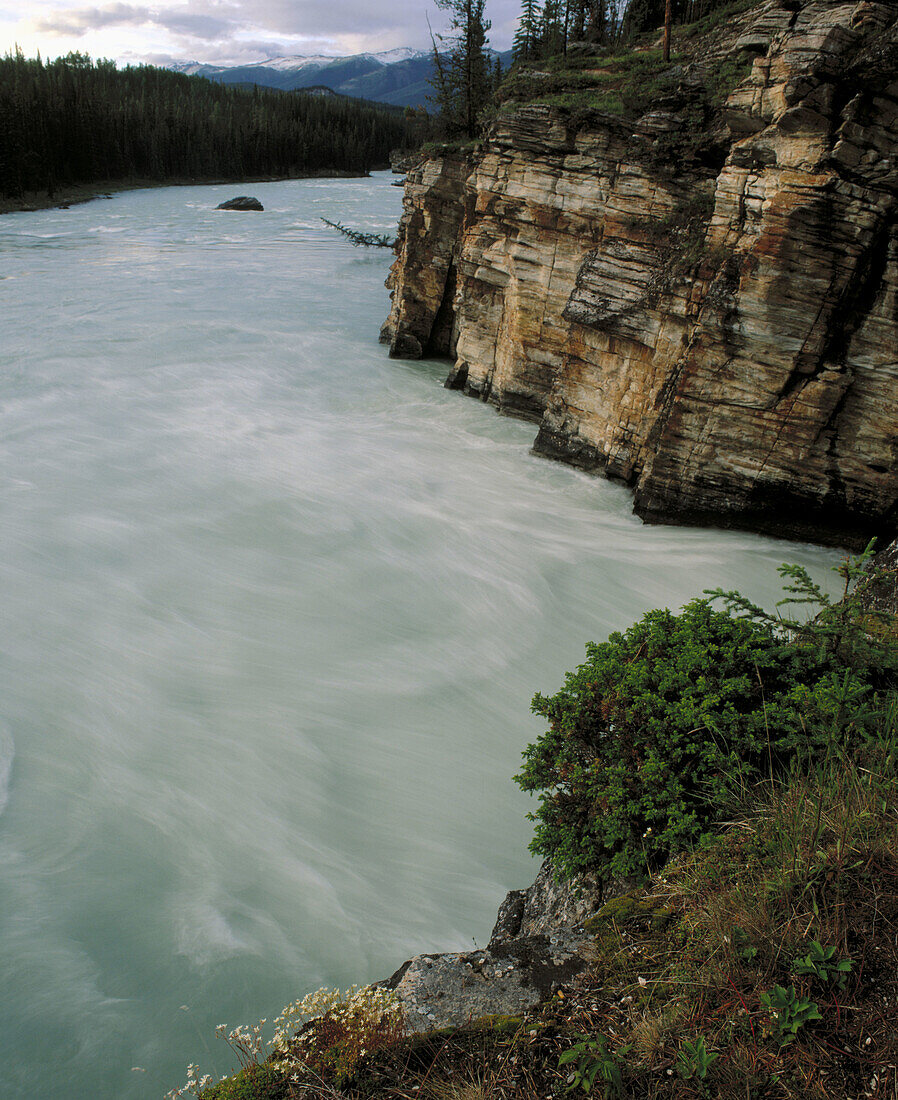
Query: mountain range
{"type": "Point", "coordinates": [401, 76]}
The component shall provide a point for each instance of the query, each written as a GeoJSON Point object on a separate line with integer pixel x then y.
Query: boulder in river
{"type": "Point", "coordinates": [242, 202]}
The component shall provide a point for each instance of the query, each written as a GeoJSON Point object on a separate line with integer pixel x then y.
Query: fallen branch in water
{"type": "Point", "coordinates": [356, 237]}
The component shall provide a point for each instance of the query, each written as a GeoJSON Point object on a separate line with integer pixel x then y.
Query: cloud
{"type": "Point", "coordinates": [189, 21]}
{"type": "Point", "coordinates": [197, 26]}
{"type": "Point", "coordinates": [81, 21]}
{"type": "Point", "coordinates": [244, 30]}
{"type": "Point", "coordinates": [286, 18]}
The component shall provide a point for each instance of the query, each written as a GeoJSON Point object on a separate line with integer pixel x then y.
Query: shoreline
{"type": "Point", "coordinates": [78, 194]}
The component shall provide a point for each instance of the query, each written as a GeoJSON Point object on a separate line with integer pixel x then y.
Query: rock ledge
{"type": "Point", "coordinates": [538, 944]}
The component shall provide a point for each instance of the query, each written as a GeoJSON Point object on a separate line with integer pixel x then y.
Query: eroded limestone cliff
{"type": "Point", "coordinates": [700, 298]}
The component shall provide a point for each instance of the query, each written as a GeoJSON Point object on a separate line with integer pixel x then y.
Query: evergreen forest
{"type": "Point", "coordinates": [75, 121]}
{"type": "Point", "coordinates": [548, 29]}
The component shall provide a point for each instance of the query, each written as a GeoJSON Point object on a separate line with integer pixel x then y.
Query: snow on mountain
{"type": "Point", "coordinates": [401, 53]}
{"type": "Point", "coordinates": [400, 77]}
{"type": "Point", "coordinates": [293, 64]}
{"type": "Point", "coordinates": [190, 68]}
{"type": "Point", "coordinates": [298, 62]}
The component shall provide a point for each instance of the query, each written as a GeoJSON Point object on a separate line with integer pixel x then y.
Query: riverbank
{"type": "Point", "coordinates": [734, 969]}
{"type": "Point", "coordinates": [76, 194]}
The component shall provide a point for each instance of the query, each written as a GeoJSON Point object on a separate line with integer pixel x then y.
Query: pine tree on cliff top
{"type": "Point", "coordinates": [525, 37]}
{"type": "Point", "coordinates": [463, 78]}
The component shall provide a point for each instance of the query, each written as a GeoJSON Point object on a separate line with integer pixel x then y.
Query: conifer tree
{"type": "Point", "coordinates": [551, 35]}
{"type": "Point", "coordinates": [524, 44]}
{"type": "Point", "coordinates": [463, 75]}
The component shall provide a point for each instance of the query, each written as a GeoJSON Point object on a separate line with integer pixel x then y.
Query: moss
{"type": "Point", "coordinates": [501, 1025]}
{"type": "Point", "coordinates": [254, 1082]}
{"type": "Point", "coordinates": [605, 84]}
{"type": "Point", "coordinates": [633, 914]}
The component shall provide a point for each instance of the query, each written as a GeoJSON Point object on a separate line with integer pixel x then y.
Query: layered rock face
{"type": "Point", "coordinates": [710, 316]}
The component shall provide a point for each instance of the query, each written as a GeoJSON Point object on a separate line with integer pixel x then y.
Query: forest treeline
{"type": "Point", "coordinates": [74, 121]}
{"type": "Point", "coordinates": [547, 29]}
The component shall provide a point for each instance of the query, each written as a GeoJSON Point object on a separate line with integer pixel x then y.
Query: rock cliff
{"type": "Point", "coordinates": [698, 295]}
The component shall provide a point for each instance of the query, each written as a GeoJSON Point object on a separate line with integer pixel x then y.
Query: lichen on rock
{"type": "Point", "coordinates": [537, 946]}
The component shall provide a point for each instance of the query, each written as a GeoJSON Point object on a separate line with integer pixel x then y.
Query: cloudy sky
{"type": "Point", "coordinates": [228, 30]}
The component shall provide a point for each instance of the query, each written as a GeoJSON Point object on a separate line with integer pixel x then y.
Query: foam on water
{"type": "Point", "coordinates": [7, 753]}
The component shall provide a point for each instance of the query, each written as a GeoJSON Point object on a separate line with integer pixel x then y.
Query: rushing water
{"type": "Point", "coordinates": [274, 610]}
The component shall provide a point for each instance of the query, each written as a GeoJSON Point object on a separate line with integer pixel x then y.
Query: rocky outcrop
{"type": "Point", "coordinates": [701, 299]}
{"type": "Point", "coordinates": [403, 161]}
{"type": "Point", "coordinates": [242, 202]}
{"type": "Point", "coordinates": [424, 277]}
{"type": "Point", "coordinates": [880, 592]}
{"type": "Point", "coordinates": [537, 946]}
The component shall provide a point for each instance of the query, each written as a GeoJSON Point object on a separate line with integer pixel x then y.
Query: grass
{"type": "Point", "coordinates": [813, 859]}
{"type": "Point", "coordinates": [628, 84]}
{"type": "Point", "coordinates": [610, 84]}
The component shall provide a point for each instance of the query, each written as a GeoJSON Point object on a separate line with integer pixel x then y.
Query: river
{"type": "Point", "coordinates": [274, 609]}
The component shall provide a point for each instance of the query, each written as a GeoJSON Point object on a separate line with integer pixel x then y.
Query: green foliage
{"type": "Point", "coordinates": [823, 964]}
{"type": "Point", "coordinates": [745, 950]}
{"type": "Point", "coordinates": [643, 736]}
{"type": "Point", "coordinates": [592, 1058]}
{"type": "Point", "coordinates": [694, 1059]}
{"type": "Point", "coordinates": [703, 17]}
{"type": "Point", "coordinates": [448, 148]}
{"type": "Point", "coordinates": [525, 45]}
{"type": "Point", "coordinates": [843, 634]}
{"type": "Point", "coordinates": [545, 31]}
{"type": "Point", "coordinates": [647, 739]}
{"type": "Point", "coordinates": [648, 15]}
{"type": "Point", "coordinates": [790, 1012]}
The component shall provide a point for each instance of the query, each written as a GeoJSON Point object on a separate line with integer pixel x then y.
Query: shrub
{"type": "Point", "coordinates": [648, 738]}
{"type": "Point", "coordinates": [643, 736]}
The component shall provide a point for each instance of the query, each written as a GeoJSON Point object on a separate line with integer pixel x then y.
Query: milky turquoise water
{"type": "Point", "coordinates": [274, 608]}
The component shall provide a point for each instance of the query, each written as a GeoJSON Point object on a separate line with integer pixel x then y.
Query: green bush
{"type": "Point", "coordinates": [648, 739]}
{"type": "Point", "coordinates": [643, 737]}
